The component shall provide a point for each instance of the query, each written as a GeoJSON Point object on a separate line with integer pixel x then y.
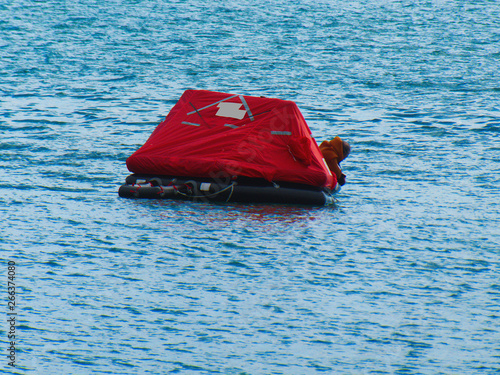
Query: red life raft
{"type": "Point", "coordinates": [223, 147]}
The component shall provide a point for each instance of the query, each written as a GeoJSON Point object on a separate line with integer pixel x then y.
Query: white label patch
{"type": "Point", "coordinates": [205, 186]}
{"type": "Point", "coordinates": [231, 110]}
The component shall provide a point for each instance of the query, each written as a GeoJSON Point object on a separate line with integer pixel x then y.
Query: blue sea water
{"type": "Point", "coordinates": [401, 276]}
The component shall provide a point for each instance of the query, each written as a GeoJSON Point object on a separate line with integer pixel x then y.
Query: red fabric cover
{"type": "Point", "coordinates": [212, 134]}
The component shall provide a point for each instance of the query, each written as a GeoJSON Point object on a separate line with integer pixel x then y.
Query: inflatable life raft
{"type": "Point", "coordinates": [221, 147]}
{"type": "Point", "coordinates": [209, 190]}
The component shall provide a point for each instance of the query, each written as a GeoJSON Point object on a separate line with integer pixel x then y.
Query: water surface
{"type": "Point", "coordinates": [399, 277]}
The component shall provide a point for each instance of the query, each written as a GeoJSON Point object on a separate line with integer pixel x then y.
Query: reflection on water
{"type": "Point", "coordinates": [257, 219]}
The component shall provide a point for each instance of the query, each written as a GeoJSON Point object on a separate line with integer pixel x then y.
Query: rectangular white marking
{"type": "Point", "coordinates": [205, 186]}
{"type": "Point", "coordinates": [231, 110]}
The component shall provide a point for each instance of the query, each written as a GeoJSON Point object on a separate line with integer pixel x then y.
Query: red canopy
{"type": "Point", "coordinates": [212, 134]}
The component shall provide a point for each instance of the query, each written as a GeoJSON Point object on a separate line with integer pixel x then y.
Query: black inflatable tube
{"type": "Point", "coordinates": [209, 190]}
